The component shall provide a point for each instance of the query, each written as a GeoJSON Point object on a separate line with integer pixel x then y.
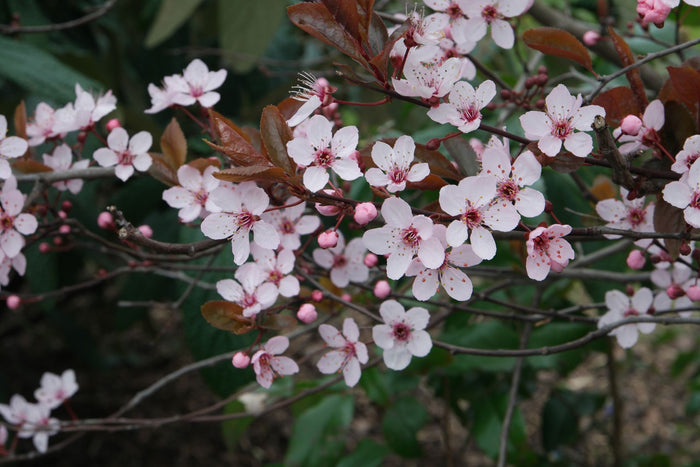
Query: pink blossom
{"type": "Point", "coordinates": [591, 38]}
{"type": "Point", "coordinates": [268, 365]}
{"type": "Point", "coordinates": [427, 74]}
{"type": "Point", "coordinates": [484, 13]}
{"type": "Point", "coordinates": [630, 125]}
{"type": "Point", "coordinates": [620, 307]}
{"type": "Point", "coordinates": [674, 281]}
{"type": "Point", "coordinates": [473, 201]}
{"type": "Point", "coordinates": [253, 293]}
{"type": "Point", "coordinates": [382, 289]}
{"type": "Point", "coordinates": [192, 196]}
{"type": "Point", "coordinates": [394, 165]}
{"type": "Point", "coordinates": [105, 221]}
{"type": "Point", "coordinates": [687, 156]}
{"type": "Point", "coordinates": [464, 107]}
{"type": "Point", "coordinates": [172, 93]}
{"type": "Point", "coordinates": [365, 213]}
{"type": "Point", "coordinates": [345, 262]}
{"type": "Point", "coordinates": [349, 353]}
{"type": "Point", "coordinates": [40, 128]}
{"type": "Point", "coordinates": [647, 136]}
{"type": "Point", "coordinates": [277, 268]}
{"type": "Point", "coordinates": [403, 237]}
{"type": "Point", "coordinates": [653, 11]}
{"type": "Point", "coordinates": [693, 292]}
{"type": "Point", "coordinates": [33, 421]}
{"type": "Point", "coordinates": [56, 389]}
{"type": "Point", "coordinates": [112, 124]}
{"type": "Point", "coordinates": [199, 83]}
{"type": "Point", "coordinates": [685, 194]}
{"type": "Point", "coordinates": [636, 259]}
{"type": "Point", "coordinates": [321, 150]}
{"type": "Point", "coordinates": [307, 313]}
{"type": "Point", "coordinates": [61, 160]}
{"type": "Point", "coordinates": [403, 335]}
{"type": "Point", "coordinates": [10, 148]}
{"type": "Point", "coordinates": [125, 153]}
{"type": "Point", "coordinates": [316, 295]}
{"type": "Point", "coordinates": [241, 209]}
{"type": "Point", "coordinates": [547, 250]}
{"type": "Point", "coordinates": [556, 125]}
{"type": "Point", "coordinates": [370, 260]}
{"type": "Point", "coordinates": [314, 93]}
{"type": "Point", "coordinates": [455, 282]}
{"type": "Point", "coordinates": [291, 223]}
{"type": "Point", "coordinates": [13, 302]}
{"type": "Point", "coordinates": [84, 112]}
{"type": "Point", "coordinates": [14, 223]}
{"type": "Point", "coordinates": [513, 179]}
{"type": "Point", "coordinates": [627, 215]}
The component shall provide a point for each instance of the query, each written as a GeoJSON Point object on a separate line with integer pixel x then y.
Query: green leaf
{"type": "Point", "coordinates": [559, 421]}
{"type": "Point", "coordinates": [368, 453]}
{"type": "Point", "coordinates": [555, 334]}
{"type": "Point", "coordinates": [233, 429]}
{"type": "Point", "coordinates": [312, 442]}
{"type": "Point", "coordinates": [246, 28]}
{"type": "Point", "coordinates": [400, 425]}
{"type": "Point", "coordinates": [171, 15]}
{"type": "Point", "coordinates": [21, 62]}
{"type": "Point", "coordinates": [487, 335]}
{"type": "Point", "coordinates": [489, 412]}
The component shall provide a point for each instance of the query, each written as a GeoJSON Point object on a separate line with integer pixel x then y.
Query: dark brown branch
{"type": "Point", "coordinates": [99, 12]}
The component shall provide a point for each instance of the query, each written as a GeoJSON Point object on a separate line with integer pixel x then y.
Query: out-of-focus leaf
{"type": "Point", "coordinates": [431, 182]}
{"type": "Point", "coordinates": [669, 219]}
{"type": "Point", "coordinates": [289, 107]}
{"type": "Point", "coordinates": [368, 453]}
{"type": "Point", "coordinates": [275, 135]}
{"type": "Point", "coordinates": [174, 145]}
{"type": "Point", "coordinates": [401, 423]}
{"type": "Point", "coordinates": [465, 157]}
{"type": "Point", "coordinates": [226, 316]}
{"type": "Point", "coordinates": [201, 163]}
{"type": "Point", "coordinates": [30, 166]}
{"type": "Point", "coordinates": [171, 15]}
{"type": "Point", "coordinates": [315, 19]}
{"type": "Point", "coordinates": [633, 76]}
{"type": "Point", "coordinates": [618, 103]}
{"type": "Point", "coordinates": [678, 127]}
{"type": "Point", "coordinates": [564, 162]}
{"type": "Point", "coordinates": [347, 15]}
{"type": "Point", "coordinates": [559, 421]}
{"type": "Point", "coordinates": [686, 85]}
{"type": "Point", "coordinates": [20, 119]}
{"type": "Point", "coordinates": [234, 428]}
{"type": "Point", "coordinates": [488, 421]}
{"type": "Point", "coordinates": [246, 29]}
{"type": "Point", "coordinates": [255, 172]}
{"type": "Point", "coordinates": [559, 43]}
{"type": "Point", "coordinates": [21, 62]}
{"type": "Point", "coordinates": [381, 59]}
{"type": "Point", "coordinates": [278, 322]}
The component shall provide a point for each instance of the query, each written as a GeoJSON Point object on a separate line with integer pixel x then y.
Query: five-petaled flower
{"type": "Point", "coordinates": [267, 365]}
{"type": "Point", "coordinates": [403, 335]}
{"type": "Point", "coordinates": [621, 307]}
{"type": "Point", "coordinates": [124, 153]}
{"type": "Point", "coordinates": [394, 165]}
{"type": "Point", "coordinates": [685, 194]}
{"type": "Point", "coordinates": [192, 196]}
{"type": "Point", "coordinates": [10, 147]}
{"type": "Point", "coordinates": [347, 354]}
{"type": "Point", "coordinates": [345, 262]}
{"type": "Point", "coordinates": [56, 389]}
{"type": "Point", "coordinates": [547, 250]}
{"type": "Point", "coordinates": [464, 107]}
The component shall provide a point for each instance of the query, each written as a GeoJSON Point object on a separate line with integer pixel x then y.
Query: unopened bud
{"type": "Point", "coordinates": [44, 247]}
{"type": "Point", "coordinates": [146, 230]}
{"type": "Point", "coordinates": [82, 136]}
{"type": "Point", "coordinates": [684, 249]}
{"type": "Point", "coordinates": [105, 221]}
{"type": "Point", "coordinates": [13, 302]}
{"type": "Point", "coordinates": [66, 206]}
{"type": "Point", "coordinates": [64, 229]}
{"type": "Point", "coordinates": [591, 38]}
{"type": "Point", "coordinates": [674, 291]}
{"type": "Point", "coordinates": [371, 260]}
{"type": "Point", "coordinates": [307, 313]}
{"type": "Point", "coordinates": [346, 297]}
{"type": "Point", "coordinates": [433, 144]}
{"type": "Point", "coordinates": [636, 260]}
{"type": "Point", "coordinates": [317, 296]}
{"type": "Point", "coordinates": [113, 123]}
{"type": "Point", "coordinates": [382, 289]}
{"type": "Point", "coordinates": [542, 70]}
{"type": "Point", "coordinates": [328, 239]}
{"type": "Point", "coordinates": [693, 293]}
{"type": "Point", "coordinates": [630, 125]}
{"type": "Point", "coordinates": [57, 241]}
{"type": "Point", "coordinates": [365, 213]}
{"type": "Point", "coordinates": [240, 360]}
{"type": "Point", "coordinates": [629, 290]}
{"type": "Point", "coordinates": [506, 94]}
{"type": "Point", "coordinates": [62, 214]}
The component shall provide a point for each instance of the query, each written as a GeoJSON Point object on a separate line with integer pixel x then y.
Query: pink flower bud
{"type": "Point", "coordinates": [62, 214]}
{"type": "Point", "coordinates": [240, 360]}
{"type": "Point", "coordinates": [146, 230]}
{"type": "Point", "coordinates": [64, 229]}
{"type": "Point", "coordinates": [652, 11]}
{"type": "Point", "coordinates": [57, 241]}
{"type": "Point", "coordinates": [591, 38]}
{"type": "Point", "coordinates": [328, 210]}
{"type": "Point", "coordinates": [113, 123]}
{"type": "Point", "coordinates": [365, 213]}
{"type": "Point", "coordinates": [13, 302]}
{"type": "Point", "coordinates": [66, 206]}
{"type": "Point", "coordinates": [307, 313]}
{"type": "Point", "coordinates": [693, 293]}
{"type": "Point", "coordinates": [317, 296]}
{"type": "Point", "coordinates": [44, 247]}
{"type": "Point", "coordinates": [371, 260]}
{"type": "Point", "coordinates": [328, 239]}
{"type": "Point", "coordinates": [630, 125]}
{"type": "Point", "coordinates": [346, 297]}
{"type": "Point", "coordinates": [636, 259]}
{"type": "Point", "coordinates": [674, 291]}
{"type": "Point", "coordinates": [382, 289]}
{"type": "Point", "coordinates": [105, 221]}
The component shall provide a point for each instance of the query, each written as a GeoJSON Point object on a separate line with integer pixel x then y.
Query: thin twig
{"type": "Point", "coordinates": [101, 11]}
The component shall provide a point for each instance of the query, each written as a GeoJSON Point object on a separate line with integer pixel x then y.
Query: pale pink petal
{"type": "Point", "coordinates": [118, 139]}
{"type": "Point", "coordinates": [265, 235]}
{"type": "Point", "coordinates": [13, 146]}
{"type": "Point", "coordinates": [142, 162]}
{"type": "Point", "coordinates": [626, 335]}
{"type": "Point", "coordinates": [331, 362]}
{"type": "Point", "coordinates": [550, 145]}
{"type": "Point", "coordinates": [431, 253]}
{"type": "Point", "coordinates": [457, 233]}
{"type": "Point", "coordinates": [502, 34]}
{"type": "Point", "coordinates": [420, 343]}
{"type": "Point", "coordinates": [350, 329]}
{"type": "Point", "coordinates": [276, 345]}
{"type": "Point", "coordinates": [396, 212]}
{"type": "Point", "coordinates": [230, 290]}
{"type": "Point", "coordinates": [383, 336]}
{"type": "Point", "coordinates": [284, 365]}
{"type": "Point", "coordinates": [347, 169]}
{"type": "Point", "coordinates": [579, 144]}
{"type": "Point", "coordinates": [315, 178]}
{"type": "Point", "coordinates": [208, 99]}
{"type": "Point", "coordinates": [535, 124]}
{"type": "Point", "coordinates": [219, 225]}
{"type": "Point", "coordinates": [397, 358]}
{"type": "Point", "coordinates": [26, 224]}
{"type": "Point", "coordinates": [105, 157]}
{"type": "Point", "coordinates": [457, 284]}
{"type": "Point", "coordinates": [140, 143]}
{"type": "Point", "coordinates": [425, 284]}
{"type": "Point", "coordinates": [178, 197]}
{"type": "Point", "coordinates": [124, 172]}
{"type": "Point", "coordinates": [397, 263]}
{"type": "Point", "coordinates": [352, 372]}
{"type": "Point", "coordinates": [483, 243]}
{"type": "Point", "coordinates": [11, 242]}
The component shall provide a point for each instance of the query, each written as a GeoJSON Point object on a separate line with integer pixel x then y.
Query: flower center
{"type": "Point", "coordinates": [489, 13]}
{"type": "Point", "coordinates": [454, 11]}
{"type": "Point", "coordinates": [402, 332]}
{"type": "Point", "coordinates": [126, 158]}
{"type": "Point", "coordinates": [695, 200]}
{"type": "Point", "coordinates": [472, 217]}
{"type": "Point", "coordinates": [561, 129]}
{"type": "Point", "coordinates": [6, 222]}
{"type": "Point", "coordinates": [410, 237]}
{"type": "Point", "coordinates": [201, 197]}
{"type": "Point", "coordinates": [245, 220]}
{"type": "Point", "coordinates": [275, 276]}
{"type": "Point", "coordinates": [249, 300]}
{"type": "Point", "coordinates": [630, 312]}
{"type": "Point", "coordinates": [508, 190]}
{"type": "Point", "coordinates": [691, 158]}
{"type": "Point", "coordinates": [471, 113]}
{"type": "Point", "coordinates": [196, 91]}
{"type": "Point", "coordinates": [264, 359]}
{"type": "Point", "coordinates": [397, 175]}
{"type": "Point", "coordinates": [324, 158]}
{"type": "Point", "coordinates": [636, 217]}
{"type": "Point", "coordinates": [287, 226]}
{"type": "Point", "coordinates": [339, 261]}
